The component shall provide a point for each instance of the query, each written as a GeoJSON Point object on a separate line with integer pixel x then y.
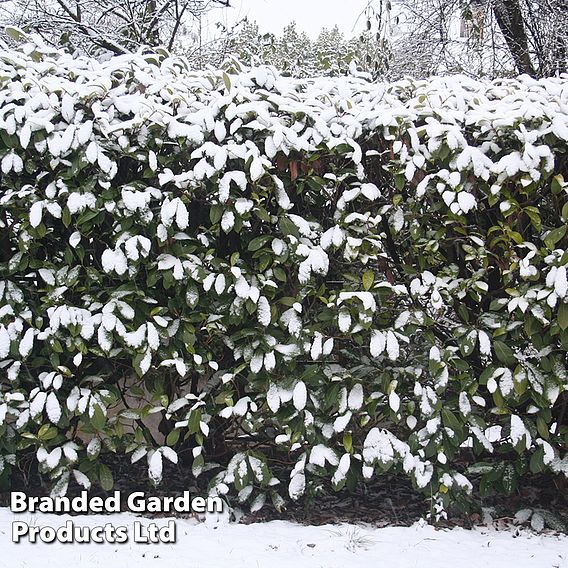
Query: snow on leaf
{"type": "Point", "coordinates": [484, 343]}
{"type": "Point", "coordinates": [355, 398]}
{"type": "Point", "coordinates": [82, 479]}
{"type": "Point", "coordinates": [37, 404]}
{"type": "Point", "coordinates": [258, 502]}
{"type": "Point", "coordinates": [92, 152]}
{"type": "Point", "coordinates": [169, 454]}
{"type": "Point", "coordinates": [378, 343]}
{"type": "Point", "coordinates": [344, 321]}
{"type": "Point", "coordinates": [53, 458]}
{"type": "Point", "coordinates": [256, 169]}
{"type": "Point", "coordinates": [264, 313]}
{"type": "Point", "coordinates": [242, 288]}
{"type": "Point", "coordinates": [70, 451]}
{"type": "Point", "coordinates": [4, 342]}
{"type": "Point", "coordinates": [317, 347]}
{"type": "Point", "coordinates": [519, 431]}
{"type": "Point", "coordinates": [182, 216]}
{"type": "Point", "coordinates": [342, 421]}
{"type": "Point", "coordinates": [138, 454]}
{"type": "Point", "coordinates": [394, 401]}
{"type": "Point", "coordinates": [27, 343]}
{"type": "Point", "coordinates": [378, 447]}
{"type": "Point", "coordinates": [75, 239]}
{"type": "Point", "coordinates": [220, 284]}
{"type": "Point", "coordinates": [537, 520]}
{"type": "Point", "coordinates": [220, 131]}
{"type": "Point", "coordinates": [321, 454]}
{"type": "Point", "coordinates": [297, 486]}
{"type": "Point", "coordinates": [152, 160]}
{"type": "Point", "coordinates": [300, 396]}
{"type": "Point", "coordinates": [36, 211]}
{"type": "Point", "coordinates": [273, 398]}
{"type": "Point", "coordinates": [466, 201]}
{"type": "Point", "coordinates": [370, 191]}
{"type": "Point", "coordinates": [155, 466]}
{"type": "Point", "coordinates": [464, 404]}
{"type": "Point", "coordinates": [53, 408]}
{"type": "Point", "coordinates": [392, 346]}
{"type": "Point", "coordinates": [78, 202]}
{"type": "Point", "coordinates": [94, 448]}
{"type": "Point", "coordinates": [561, 282]}
{"type": "Point", "coordinates": [153, 337]}
{"type": "Point", "coordinates": [146, 362]}
{"type": "Point", "coordinates": [227, 221]}
{"type": "Point", "coordinates": [256, 362]}
{"type": "Point", "coordinates": [270, 361]}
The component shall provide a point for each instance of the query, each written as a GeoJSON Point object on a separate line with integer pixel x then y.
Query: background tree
{"type": "Point", "coordinates": [294, 54]}
{"type": "Point", "coordinates": [333, 52]}
{"type": "Point", "coordinates": [115, 26]}
{"type": "Point", "coordinates": [478, 37]}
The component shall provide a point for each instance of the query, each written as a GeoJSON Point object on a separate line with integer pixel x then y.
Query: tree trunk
{"type": "Point", "coordinates": [510, 19]}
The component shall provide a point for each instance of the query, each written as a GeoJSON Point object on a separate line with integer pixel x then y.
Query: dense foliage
{"type": "Point", "coordinates": [279, 284]}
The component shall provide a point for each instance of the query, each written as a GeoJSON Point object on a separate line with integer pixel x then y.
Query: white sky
{"type": "Point", "coordinates": [310, 15]}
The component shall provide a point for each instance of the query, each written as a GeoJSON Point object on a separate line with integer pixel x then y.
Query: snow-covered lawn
{"type": "Point", "coordinates": [279, 544]}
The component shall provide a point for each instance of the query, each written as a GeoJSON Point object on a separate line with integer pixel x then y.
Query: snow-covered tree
{"type": "Point", "coordinates": [293, 54]}
{"type": "Point", "coordinates": [113, 26]}
{"type": "Point", "coordinates": [246, 44]}
{"type": "Point", "coordinates": [479, 37]}
{"type": "Point", "coordinates": [333, 53]}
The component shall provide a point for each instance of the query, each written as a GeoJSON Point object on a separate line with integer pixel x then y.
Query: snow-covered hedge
{"type": "Point", "coordinates": [283, 284]}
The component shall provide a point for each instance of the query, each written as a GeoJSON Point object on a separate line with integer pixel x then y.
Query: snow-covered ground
{"type": "Point", "coordinates": [280, 544]}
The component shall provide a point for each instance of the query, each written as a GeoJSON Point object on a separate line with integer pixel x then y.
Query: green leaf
{"type": "Point", "coordinates": [467, 343]}
{"type": "Point", "coordinates": [280, 274]}
{"type": "Point", "coordinates": [194, 420]}
{"type": "Point", "coordinates": [98, 419]}
{"type": "Point", "coordinates": [14, 33]}
{"type": "Point", "coordinates": [288, 228]}
{"type": "Point", "coordinates": [227, 81]}
{"type": "Point", "coordinates": [173, 437]}
{"type": "Point", "coordinates": [537, 464]}
{"type": "Point", "coordinates": [197, 465]}
{"type": "Point", "coordinates": [532, 325]}
{"type": "Point", "coordinates": [258, 242]}
{"type": "Point", "coordinates": [534, 216]}
{"type": "Point", "coordinates": [400, 181]}
{"type": "Point", "coordinates": [504, 353]}
{"type": "Point", "coordinates": [555, 236]}
{"type": "Point", "coordinates": [66, 217]}
{"type": "Point", "coordinates": [215, 213]}
{"type": "Point", "coordinates": [88, 216]}
{"type": "Point", "coordinates": [542, 427]}
{"type": "Point", "coordinates": [562, 317]}
{"type": "Point", "coordinates": [47, 432]}
{"type": "Point", "coordinates": [105, 477]}
{"type": "Point", "coordinates": [557, 184]}
{"type": "Point", "coordinates": [348, 442]}
{"type": "Point", "coordinates": [450, 420]}
{"type": "Point", "coordinates": [136, 364]}
{"type": "Point", "coordinates": [368, 279]}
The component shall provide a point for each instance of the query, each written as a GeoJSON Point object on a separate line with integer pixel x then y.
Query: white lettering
{"type": "Point", "coordinates": [18, 502]}
{"type": "Point", "coordinates": [19, 529]}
